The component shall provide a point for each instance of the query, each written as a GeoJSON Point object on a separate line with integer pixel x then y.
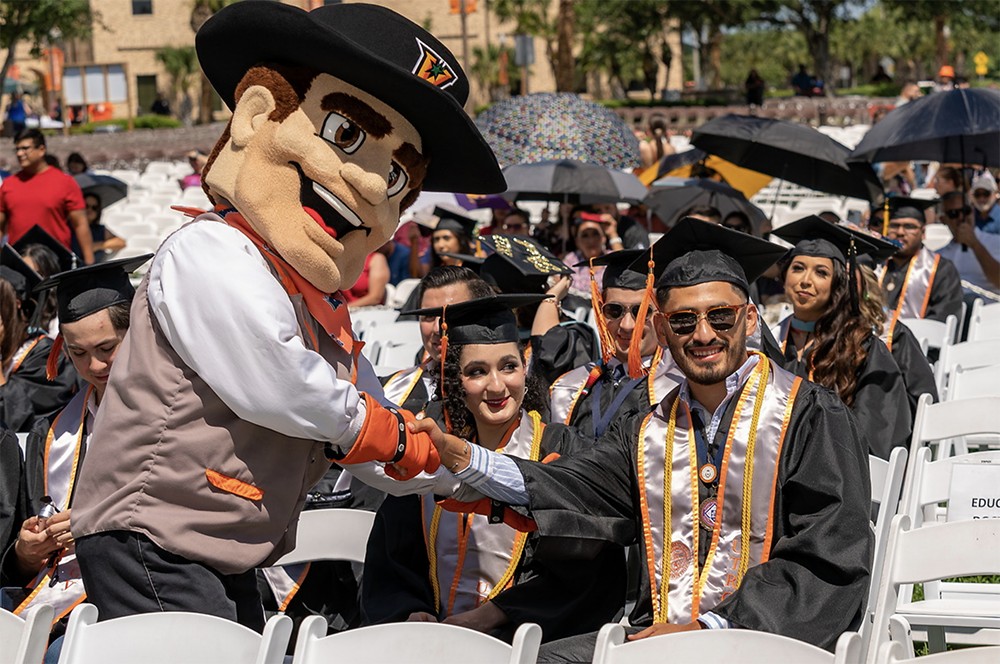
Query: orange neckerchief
{"type": "Point", "coordinates": [331, 313]}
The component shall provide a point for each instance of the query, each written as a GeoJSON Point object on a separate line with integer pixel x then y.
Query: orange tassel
{"type": "Point", "coordinates": [52, 363]}
{"type": "Point", "coordinates": [444, 356]}
{"type": "Point", "coordinates": [635, 368]}
{"type": "Point", "coordinates": [603, 333]}
{"type": "Point", "coordinates": [885, 217]}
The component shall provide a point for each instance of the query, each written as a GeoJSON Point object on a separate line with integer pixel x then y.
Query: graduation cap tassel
{"type": "Point", "coordinates": [885, 217]}
{"type": "Point", "coordinates": [607, 343]}
{"type": "Point", "coordinates": [52, 363]}
{"type": "Point", "coordinates": [635, 368]}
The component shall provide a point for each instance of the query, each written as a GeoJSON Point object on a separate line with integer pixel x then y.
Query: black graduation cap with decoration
{"type": "Point", "coordinates": [19, 274]}
{"type": "Point", "coordinates": [518, 264]}
{"type": "Point", "coordinates": [38, 235]}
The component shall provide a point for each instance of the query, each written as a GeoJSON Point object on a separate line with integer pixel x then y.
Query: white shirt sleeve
{"type": "Point", "coordinates": [231, 322]}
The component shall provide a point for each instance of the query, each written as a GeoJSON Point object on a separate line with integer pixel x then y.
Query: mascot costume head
{"type": "Point", "coordinates": [341, 116]}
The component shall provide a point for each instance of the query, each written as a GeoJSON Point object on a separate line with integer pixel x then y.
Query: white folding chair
{"type": "Point", "coordinates": [23, 640]}
{"type": "Point", "coordinates": [414, 643]}
{"type": "Point", "coordinates": [366, 317]}
{"type": "Point", "coordinates": [900, 649]}
{"type": "Point", "coordinates": [985, 321]}
{"type": "Point", "coordinates": [961, 548]}
{"type": "Point", "coordinates": [723, 645]}
{"type": "Point", "coordinates": [972, 383]}
{"type": "Point", "coordinates": [967, 355]}
{"type": "Point", "coordinates": [159, 168]}
{"type": "Point", "coordinates": [170, 637]}
{"type": "Point", "coordinates": [330, 534]}
{"type": "Point", "coordinates": [404, 289]}
{"type": "Point", "coordinates": [932, 333]}
{"type": "Point", "coordinates": [397, 343]}
{"type": "Point", "coordinates": [936, 236]}
{"type": "Point", "coordinates": [945, 425]}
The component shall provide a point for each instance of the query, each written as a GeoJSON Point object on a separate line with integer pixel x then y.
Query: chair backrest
{"type": "Point", "coordinates": [330, 534]}
{"type": "Point", "coordinates": [366, 317]}
{"type": "Point", "coordinates": [973, 383]}
{"type": "Point", "coordinates": [985, 321]}
{"type": "Point", "coordinates": [170, 637]}
{"type": "Point", "coordinates": [941, 422]}
{"type": "Point", "coordinates": [968, 355]}
{"type": "Point", "coordinates": [723, 645]}
{"type": "Point", "coordinates": [935, 333]}
{"type": "Point", "coordinates": [930, 483]}
{"type": "Point", "coordinates": [404, 289]}
{"type": "Point", "coordinates": [895, 653]}
{"type": "Point", "coordinates": [398, 342]}
{"type": "Point", "coordinates": [414, 643]}
{"type": "Point", "coordinates": [960, 548]}
{"type": "Point", "coordinates": [936, 236]}
{"type": "Point", "coordinates": [25, 639]}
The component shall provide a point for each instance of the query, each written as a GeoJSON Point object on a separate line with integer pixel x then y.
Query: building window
{"type": "Point", "coordinates": [142, 7]}
{"type": "Point", "coordinates": [145, 93]}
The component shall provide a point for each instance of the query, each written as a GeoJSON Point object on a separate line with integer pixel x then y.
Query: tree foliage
{"type": "Point", "coordinates": [181, 64]}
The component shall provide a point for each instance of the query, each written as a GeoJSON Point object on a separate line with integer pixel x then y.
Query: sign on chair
{"type": "Point", "coordinates": [975, 491]}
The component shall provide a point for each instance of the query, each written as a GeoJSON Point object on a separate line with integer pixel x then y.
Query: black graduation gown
{"type": "Point", "coordinates": [913, 364]}
{"type": "Point", "coordinates": [946, 289]}
{"type": "Point", "coordinates": [28, 395]}
{"type": "Point", "coordinates": [813, 586]}
{"type": "Point", "coordinates": [417, 399]}
{"type": "Point", "coordinates": [881, 404]}
{"type": "Point", "coordinates": [634, 395]}
{"type": "Point", "coordinates": [563, 348]}
{"type": "Point", "coordinates": [565, 597]}
{"type": "Point", "coordinates": [14, 503]}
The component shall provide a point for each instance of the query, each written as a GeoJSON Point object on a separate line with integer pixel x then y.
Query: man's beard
{"type": "Point", "coordinates": [731, 357]}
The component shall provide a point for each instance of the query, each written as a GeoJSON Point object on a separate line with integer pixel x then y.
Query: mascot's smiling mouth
{"type": "Point", "coordinates": [326, 209]}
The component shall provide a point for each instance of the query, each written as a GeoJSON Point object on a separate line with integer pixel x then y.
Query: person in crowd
{"type": "Point", "coordinates": [427, 564]}
{"type": "Point", "coordinates": [369, 290]}
{"type": "Point", "coordinates": [397, 255]}
{"type": "Point", "coordinates": [706, 213]}
{"type": "Point", "coordinates": [197, 160]}
{"type": "Point", "coordinates": [801, 568]}
{"type": "Point", "coordinates": [738, 221]}
{"type": "Point", "coordinates": [622, 230]}
{"type": "Point", "coordinates": [754, 88]}
{"type": "Point", "coordinates": [27, 393]}
{"type": "Point", "coordinates": [802, 83]}
{"type": "Point", "coordinates": [106, 243]}
{"type": "Point", "coordinates": [590, 397]}
{"type": "Point", "coordinates": [983, 193]}
{"type": "Point", "coordinates": [93, 306]}
{"type": "Point", "coordinates": [43, 254]}
{"type": "Point", "coordinates": [76, 164]}
{"type": "Point", "coordinates": [915, 282]}
{"type": "Point", "coordinates": [453, 234]}
{"type": "Point", "coordinates": [827, 340]}
{"type": "Point", "coordinates": [516, 222]}
{"type": "Point", "coordinates": [160, 105]}
{"type": "Point", "coordinates": [591, 241]}
{"type": "Point", "coordinates": [909, 92]}
{"type": "Point", "coordinates": [16, 507]}
{"type": "Point", "coordinates": [17, 114]}
{"type": "Point", "coordinates": [657, 144]}
{"type": "Point", "coordinates": [43, 195]}
{"type": "Point", "coordinates": [974, 252]}
{"type": "Point", "coordinates": [946, 79]}
{"type": "Point", "coordinates": [946, 180]}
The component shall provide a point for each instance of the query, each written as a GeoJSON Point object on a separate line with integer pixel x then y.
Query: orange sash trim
{"type": "Point", "coordinates": [19, 360]}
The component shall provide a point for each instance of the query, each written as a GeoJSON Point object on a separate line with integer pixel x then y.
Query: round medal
{"type": "Point", "coordinates": [708, 511]}
{"type": "Point", "coordinates": [708, 473]}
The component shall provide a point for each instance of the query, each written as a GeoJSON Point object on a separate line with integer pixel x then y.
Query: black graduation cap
{"type": "Point", "coordinates": [38, 235]}
{"type": "Point", "coordinates": [485, 320]}
{"type": "Point", "coordinates": [618, 269]}
{"type": "Point", "coordinates": [18, 273]}
{"type": "Point", "coordinates": [518, 264]}
{"type": "Point", "coordinates": [884, 248]}
{"type": "Point", "coordinates": [813, 236]}
{"type": "Point", "coordinates": [90, 289]}
{"type": "Point", "coordinates": [904, 207]}
{"type": "Point", "coordinates": [456, 222]}
{"type": "Point", "coordinates": [474, 263]}
{"type": "Point", "coordinates": [696, 252]}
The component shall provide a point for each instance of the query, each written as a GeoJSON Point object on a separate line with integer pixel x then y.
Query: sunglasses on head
{"type": "Point", "coordinates": [614, 311]}
{"type": "Point", "coordinates": [721, 319]}
{"type": "Point", "coordinates": [958, 213]}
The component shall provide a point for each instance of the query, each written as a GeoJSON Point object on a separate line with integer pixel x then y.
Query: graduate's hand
{"type": "Point", "coordinates": [453, 451]}
{"type": "Point", "coordinates": [34, 546]}
{"type": "Point", "coordinates": [421, 616]}
{"type": "Point", "coordinates": [59, 529]}
{"type": "Point", "coordinates": [484, 618]}
{"type": "Point", "coordinates": [659, 629]}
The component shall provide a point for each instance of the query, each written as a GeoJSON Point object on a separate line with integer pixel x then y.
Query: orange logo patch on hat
{"type": "Point", "coordinates": [432, 68]}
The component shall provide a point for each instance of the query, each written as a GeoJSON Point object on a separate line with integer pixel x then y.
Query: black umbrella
{"type": "Point", "coordinates": [790, 151]}
{"type": "Point", "coordinates": [570, 181]}
{"type": "Point", "coordinates": [958, 126]}
{"type": "Point", "coordinates": [108, 189]}
{"type": "Point", "coordinates": [670, 198]}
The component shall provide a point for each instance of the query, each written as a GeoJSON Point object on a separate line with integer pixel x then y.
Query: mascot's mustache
{"type": "Point", "coordinates": [338, 222]}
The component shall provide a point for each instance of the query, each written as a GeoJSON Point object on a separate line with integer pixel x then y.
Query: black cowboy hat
{"type": "Point", "coordinates": [370, 47]}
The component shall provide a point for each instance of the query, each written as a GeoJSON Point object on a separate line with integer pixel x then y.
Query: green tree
{"type": "Point", "coordinates": [181, 64]}
{"type": "Point", "coordinates": [973, 25]}
{"type": "Point", "coordinates": [555, 26]}
{"type": "Point", "coordinates": [488, 66]}
{"type": "Point", "coordinates": [201, 11]}
{"type": "Point", "coordinates": [39, 22]}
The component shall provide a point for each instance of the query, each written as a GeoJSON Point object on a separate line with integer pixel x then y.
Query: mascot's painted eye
{"type": "Point", "coordinates": [343, 133]}
{"type": "Point", "coordinates": [397, 179]}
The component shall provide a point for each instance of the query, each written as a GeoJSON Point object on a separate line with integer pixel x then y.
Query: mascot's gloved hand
{"type": "Point", "coordinates": [385, 437]}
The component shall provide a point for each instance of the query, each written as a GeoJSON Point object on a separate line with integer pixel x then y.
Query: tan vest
{"type": "Point", "coordinates": [172, 461]}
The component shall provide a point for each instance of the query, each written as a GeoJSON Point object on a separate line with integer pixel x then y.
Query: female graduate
{"type": "Point", "coordinates": [26, 394]}
{"type": "Point", "coordinates": [828, 341]}
{"type": "Point", "coordinates": [468, 569]}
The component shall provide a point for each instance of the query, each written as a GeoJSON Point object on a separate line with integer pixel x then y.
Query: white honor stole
{"type": "Point", "coordinates": [399, 386]}
{"type": "Point", "coordinates": [471, 561]}
{"type": "Point", "coordinates": [740, 514]}
{"type": "Point", "coordinates": [915, 291]}
{"type": "Point", "coordinates": [64, 445]}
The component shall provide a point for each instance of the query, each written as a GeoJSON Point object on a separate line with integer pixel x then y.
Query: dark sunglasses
{"type": "Point", "coordinates": [721, 319]}
{"type": "Point", "coordinates": [614, 311]}
{"type": "Point", "coordinates": [958, 213]}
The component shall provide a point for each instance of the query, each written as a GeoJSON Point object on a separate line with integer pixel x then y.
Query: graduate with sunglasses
{"type": "Point", "coordinates": [827, 340]}
{"type": "Point", "coordinates": [464, 567]}
{"type": "Point", "coordinates": [761, 475]}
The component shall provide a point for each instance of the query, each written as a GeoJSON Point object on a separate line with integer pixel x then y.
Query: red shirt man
{"type": "Point", "coordinates": [40, 194]}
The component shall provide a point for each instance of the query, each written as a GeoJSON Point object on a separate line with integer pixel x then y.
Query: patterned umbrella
{"type": "Point", "coordinates": [548, 126]}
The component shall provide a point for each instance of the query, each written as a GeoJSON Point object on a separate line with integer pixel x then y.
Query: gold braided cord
{"type": "Point", "coordinates": [666, 553]}
{"type": "Point", "coordinates": [761, 387]}
{"type": "Point", "coordinates": [432, 556]}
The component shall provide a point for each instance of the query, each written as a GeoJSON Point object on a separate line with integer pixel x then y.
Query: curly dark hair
{"type": "Point", "coordinates": [839, 338]}
{"type": "Point", "coordinates": [463, 423]}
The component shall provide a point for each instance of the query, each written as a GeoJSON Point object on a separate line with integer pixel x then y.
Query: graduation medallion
{"type": "Point", "coordinates": [708, 511]}
{"type": "Point", "coordinates": [680, 559]}
{"type": "Point", "coordinates": [708, 473]}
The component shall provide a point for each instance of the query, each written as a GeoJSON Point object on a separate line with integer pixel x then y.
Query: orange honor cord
{"type": "Point", "coordinates": [444, 356]}
{"type": "Point", "coordinates": [635, 368]}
